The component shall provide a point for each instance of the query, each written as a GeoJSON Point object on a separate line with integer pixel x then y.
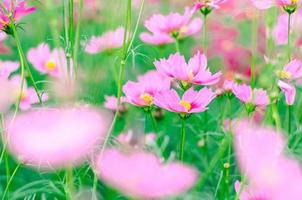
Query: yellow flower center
{"type": "Point", "coordinates": [50, 65]}
{"type": "Point", "coordinates": [23, 95]}
{"type": "Point", "coordinates": [191, 75]}
{"type": "Point", "coordinates": [293, 1]}
{"type": "Point", "coordinates": [283, 74]}
{"type": "Point", "coordinates": [183, 30]}
{"type": "Point", "coordinates": [185, 104]}
{"type": "Point", "coordinates": [147, 98]}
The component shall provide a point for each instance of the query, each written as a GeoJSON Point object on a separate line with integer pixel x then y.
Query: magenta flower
{"type": "Point", "coordinates": [142, 93]}
{"type": "Point", "coordinates": [191, 102]}
{"type": "Point", "coordinates": [106, 42]}
{"type": "Point", "coordinates": [16, 8]}
{"type": "Point", "coordinates": [51, 138]}
{"type": "Point", "coordinates": [7, 67]}
{"type": "Point", "coordinates": [49, 62]}
{"type": "Point", "coordinates": [28, 95]}
{"type": "Point", "coordinates": [111, 103]}
{"type": "Point", "coordinates": [256, 97]}
{"type": "Point", "coordinates": [141, 175]}
{"type": "Point", "coordinates": [195, 72]}
{"type": "Point", "coordinates": [165, 29]}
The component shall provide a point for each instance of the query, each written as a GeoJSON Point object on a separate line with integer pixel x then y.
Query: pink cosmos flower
{"type": "Point", "coordinates": [142, 93]}
{"type": "Point", "coordinates": [289, 92]}
{"type": "Point", "coordinates": [141, 175]}
{"type": "Point", "coordinates": [259, 152]}
{"type": "Point", "coordinates": [49, 62]}
{"type": "Point", "coordinates": [17, 8]}
{"type": "Point", "coordinates": [8, 94]}
{"type": "Point", "coordinates": [256, 97]}
{"type": "Point", "coordinates": [51, 138]}
{"type": "Point", "coordinates": [291, 72]}
{"type": "Point", "coordinates": [7, 67]}
{"type": "Point", "coordinates": [106, 42]}
{"type": "Point", "coordinates": [191, 102]}
{"type": "Point", "coordinates": [195, 72]}
{"type": "Point", "coordinates": [209, 4]}
{"type": "Point", "coordinates": [164, 29]}
{"type": "Point", "coordinates": [28, 95]}
{"type": "Point", "coordinates": [266, 4]}
{"type": "Point", "coordinates": [111, 103]}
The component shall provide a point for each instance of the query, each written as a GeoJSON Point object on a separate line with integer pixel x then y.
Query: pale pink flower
{"type": "Point", "coordinates": [17, 9]}
{"type": "Point", "coordinates": [140, 174]}
{"type": "Point", "coordinates": [289, 92]}
{"type": "Point", "coordinates": [292, 71]}
{"type": "Point", "coordinates": [53, 63]}
{"type": "Point", "coordinates": [8, 94]}
{"type": "Point", "coordinates": [266, 4]}
{"type": "Point", "coordinates": [28, 95]}
{"type": "Point", "coordinates": [195, 72]}
{"type": "Point", "coordinates": [256, 97]}
{"type": "Point", "coordinates": [111, 103]}
{"type": "Point", "coordinates": [142, 93]}
{"type": "Point", "coordinates": [108, 41]}
{"type": "Point", "coordinates": [51, 138]}
{"type": "Point", "coordinates": [166, 28]}
{"type": "Point", "coordinates": [209, 4]}
{"type": "Point", "coordinates": [191, 102]}
{"type": "Point", "coordinates": [7, 67]}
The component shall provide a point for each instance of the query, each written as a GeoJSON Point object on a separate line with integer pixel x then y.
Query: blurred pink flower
{"type": "Point", "coordinates": [51, 138]}
{"type": "Point", "coordinates": [111, 103]}
{"type": "Point", "coordinates": [28, 95]}
{"type": "Point", "coordinates": [256, 97]}
{"type": "Point", "coordinates": [17, 9]}
{"type": "Point", "coordinates": [7, 67]}
{"type": "Point", "coordinates": [49, 62]}
{"type": "Point", "coordinates": [265, 4]}
{"type": "Point", "coordinates": [195, 72]}
{"type": "Point", "coordinates": [141, 175]}
{"type": "Point", "coordinates": [8, 94]}
{"type": "Point", "coordinates": [133, 139]}
{"type": "Point", "coordinates": [289, 92]}
{"type": "Point", "coordinates": [191, 102]}
{"type": "Point", "coordinates": [108, 41]}
{"type": "Point", "coordinates": [165, 28]}
{"type": "Point", "coordinates": [261, 157]}
{"type": "Point", "coordinates": [142, 93]}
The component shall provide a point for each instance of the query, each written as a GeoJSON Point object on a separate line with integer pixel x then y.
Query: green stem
{"type": "Point", "coordinates": [204, 37]}
{"type": "Point", "coordinates": [183, 139]}
{"type": "Point", "coordinates": [77, 38]}
{"type": "Point", "coordinates": [275, 115]}
{"type": "Point", "coordinates": [69, 184]}
{"type": "Point", "coordinates": [288, 38]}
{"type": "Point", "coordinates": [23, 61]}
{"type": "Point", "coordinates": [94, 187]}
{"type": "Point", "coordinates": [154, 124]}
{"type": "Point", "coordinates": [177, 45]}
{"type": "Point", "coordinates": [289, 119]}
{"type": "Point", "coordinates": [10, 181]}
{"type": "Point", "coordinates": [217, 157]}
{"type": "Point", "coordinates": [254, 49]}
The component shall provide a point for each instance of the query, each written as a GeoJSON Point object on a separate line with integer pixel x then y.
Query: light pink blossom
{"type": "Point", "coordinates": [166, 28]}
{"type": "Point", "coordinates": [195, 72]}
{"type": "Point", "coordinates": [266, 4]}
{"type": "Point", "coordinates": [191, 102]}
{"type": "Point", "coordinates": [289, 92]}
{"type": "Point", "coordinates": [53, 63]}
{"type": "Point", "coordinates": [17, 9]}
{"type": "Point", "coordinates": [28, 95]}
{"type": "Point", "coordinates": [108, 41]}
{"type": "Point", "coordinates": [51, 138]}
{"type": "Point", "coordinates": [7, 67]}
{"type": "Point", "coordinates": [142, 93]}
{"type": "Point", "coordinates": [210, 4]}
{"type": "Point", "coordinates": [141, 175]}
{"type": "Point", "coordinates": [8, 94]}
{"type": "Point", "coordinates": [246, 94]}
{"type": "Point", "coordinates": [111, 103]}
